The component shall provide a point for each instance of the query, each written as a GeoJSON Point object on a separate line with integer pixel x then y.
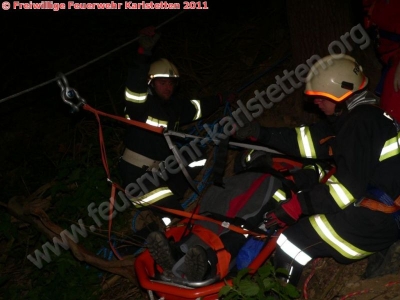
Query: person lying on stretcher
{"type": "Point", "coordinates": [243, 201]}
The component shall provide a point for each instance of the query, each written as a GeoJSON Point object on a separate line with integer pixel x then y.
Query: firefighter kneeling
{"type": "Point", "coordinates": [330, 218]}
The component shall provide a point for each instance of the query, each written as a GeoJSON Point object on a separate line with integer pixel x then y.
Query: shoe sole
{"type": "Point", "coordinates": [159, 249]}
{"type": "Point", "coordinates": [196, 264]}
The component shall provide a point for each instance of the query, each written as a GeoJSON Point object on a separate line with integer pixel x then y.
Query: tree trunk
{"type": "Point", "coordinates": [314, 26]}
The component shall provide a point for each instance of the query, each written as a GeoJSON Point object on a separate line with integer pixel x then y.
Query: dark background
{"type": "Point", "coordinates": [216, 51]}
{"type": "Point", "coordinates": [219, 50]}
{"type": "Point", "coordinates": [228, 48]}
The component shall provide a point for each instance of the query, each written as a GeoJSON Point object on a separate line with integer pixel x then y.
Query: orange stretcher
{"type": "Point", "coordinates": [146, 274]}
{"type": "Point", "coordinates": [146, 270]}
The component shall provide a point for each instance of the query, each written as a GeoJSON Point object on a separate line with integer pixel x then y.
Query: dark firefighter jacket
{"type": "Point", "coordinates": [145, 106]}
{"type": "Point", "coordinates": [365, 149]}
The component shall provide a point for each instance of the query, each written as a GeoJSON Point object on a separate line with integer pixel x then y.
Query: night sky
{"type": "Point", "coordinates": [37, 44]}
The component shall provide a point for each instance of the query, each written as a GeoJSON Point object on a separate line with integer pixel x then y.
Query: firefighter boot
{"type": "Point", "coordinates": [196, 264]}
{"type": "Point", "coordinates": [384, 262]}
{"type": "Point", "coordinates": [160, 250]}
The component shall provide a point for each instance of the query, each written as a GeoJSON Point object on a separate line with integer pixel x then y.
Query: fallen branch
{"type": "Point", "coordinates": [30, 213]}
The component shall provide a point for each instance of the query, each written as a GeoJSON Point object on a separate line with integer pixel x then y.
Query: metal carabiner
{"type": "Point", "coordinates": [68, 93]}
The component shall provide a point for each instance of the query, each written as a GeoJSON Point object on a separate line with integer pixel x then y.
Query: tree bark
{"type": "Point", "coordinates": [313, 26]}
{"type": "Point", "coordinates": [32, 213]}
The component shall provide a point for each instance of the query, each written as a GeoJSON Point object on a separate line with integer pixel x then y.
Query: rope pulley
{"type": "Point", "coordinates": [68, 94]}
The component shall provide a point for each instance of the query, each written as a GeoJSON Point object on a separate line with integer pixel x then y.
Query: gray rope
{"type": "Point", "coordinates": [86, 64]}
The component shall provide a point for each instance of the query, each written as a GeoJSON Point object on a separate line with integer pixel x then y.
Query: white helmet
{"type": "Point", "coordinates": [162, 68]}
{"type": "Point", "coordinates": [335, 78]}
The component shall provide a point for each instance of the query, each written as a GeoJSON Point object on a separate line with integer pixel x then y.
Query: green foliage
{"type": "Point", "coordinates": [264, 284]}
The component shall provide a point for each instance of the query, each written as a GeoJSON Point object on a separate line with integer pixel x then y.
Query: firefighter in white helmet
{"type": "Point", "coordinates": [354, 211]}
{"type": "Point", "coordinates": [150, 97]}
{"type": "Point", "coordinates": [163, 77]}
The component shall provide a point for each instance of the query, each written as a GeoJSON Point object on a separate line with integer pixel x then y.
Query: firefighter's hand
{"type": "Point", "coordinates": [148, 39]}
{"type": "Point", "coordinates": [287, 213]}
{"type": "Point", "coordinates": [148, 31]}
{"type": "Point", "coordinates": [249, 131]}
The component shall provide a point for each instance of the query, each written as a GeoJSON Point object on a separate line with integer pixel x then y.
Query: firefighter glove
{"type": "Point", "coordinates": [250, 130]}
{"type": "Point", "coordinates": [147, 39]}
{"type": "Point", "coordinates": [286, 213]}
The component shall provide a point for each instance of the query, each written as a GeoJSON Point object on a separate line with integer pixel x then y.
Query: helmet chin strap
{"type": "Point", "coordinates": [339, 108]}
{"type": "Point", "coordinates": [338, 111]}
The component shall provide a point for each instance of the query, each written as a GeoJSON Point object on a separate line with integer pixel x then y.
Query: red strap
{"type": "Point", "coordinates": [328, 175]}
{"type": "Point", "coordinates": [131, 122]}
{"type": "Point", "coordinates": [213, 240]}
{"type": "Point", "coordinates": [397, 201]}
{"type": "Point", "coordinates": [105, 163]}
{"type": "Point", "coordinates": [97, 113]}
{"type": "Point", "coordinates": [110, 217]}
{"type": "Point", "coordinates": [278, 163]}
{"type": "Point", "coordinates": [229, 226]}
{"type": "Point", "coordinates": [101, 141]}
{"type": "Point", "coordinates": [376, 205]}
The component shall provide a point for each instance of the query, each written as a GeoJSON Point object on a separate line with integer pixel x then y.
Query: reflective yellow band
{"type": "Point", "coordinates": [329, 235]}
{"type": "Point", "coordinates": [339, 193]}
{"type": "Point", "coordinates": [317, 168]}
{"type": "Point", "coordinates": [155, 122]}
{"type": "Point", "coordinates": [196, 104]}
{"type": "Point", "coordinates": [135, 97]}
{"type": "Point", "coordinates": [279, 195]}
{"type": "Point", "coordinates": [306, 145]}
{"type": "Point", "coordinates": [151, 197]}
{"type": "Point", "coordinates": [164, 75]}
{"type": "Point", "coordinates": [292, 250]}
{"type": "Point", "coordinates": [391, 148]}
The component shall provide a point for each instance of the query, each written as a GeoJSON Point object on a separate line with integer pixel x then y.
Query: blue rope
{"type": "Point", "coordinates": [200, 188]}
{"type": "Point", "coordinates": [203, 184]}
{"type": "Point", "coordinates": [134, 221]}
{"type": "Point", "coordinates": [384, 198]}
{"type": "Point", "coordinates": [106, 253]}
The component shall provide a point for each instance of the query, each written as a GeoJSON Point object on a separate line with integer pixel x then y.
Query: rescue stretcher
{"type": "Point", "coordinates": [146, 272]}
